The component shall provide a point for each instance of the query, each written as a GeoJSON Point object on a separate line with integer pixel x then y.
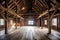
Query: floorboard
{"type": "Point", "coordinates": [31, 33]}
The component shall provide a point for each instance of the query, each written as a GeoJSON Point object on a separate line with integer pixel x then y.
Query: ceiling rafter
{"type": "Point", "coordinates": [41, 10]}
{"type": "Point", "coordinates": [45, 12]}
{"type": "Point", "coordinates": [22, 2]}
{"type": "Point", "coordinates": [36, 9]}
{"type": "Point", "coordinates": [16, 0]}
{"type": "Point", "coordinates": [13, 7]}
{"type": "Point", "coordinates": [10, 5]}
{"type": "Point", "coordinates": [45, 3]}
{"type": "Point", "coordinates": [22, 5]}
{"type": "Point", "coordinates": [10, 11]}
{"type": "Point", "coordinates": [1, 12]}
{"type": "Point", "coordinates": [19, 1]}
{"type": "Point", "coordinates": [39, 3]}
{"type": "Point", "coordinates": [16, 4]}
{"type": "Point", "coordinates": [42, 3]}
{"type": "Point", "coordinates": [39, 6]}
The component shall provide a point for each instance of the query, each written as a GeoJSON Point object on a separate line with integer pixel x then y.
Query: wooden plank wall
{"type": "Point", "coordinates": [53, 27]}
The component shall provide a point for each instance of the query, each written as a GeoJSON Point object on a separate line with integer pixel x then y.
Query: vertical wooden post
{"type": "Point", "coordinates": [6, 6]}
{"type": "Point", "coordinates": [16, 23]}
{"type": "Point", "coordinates": [49, 16]}
{"type": "Point", "coordinates": [49, 23]}
{"type": "Point", "coordinates": [16, 17]}
{"type": "Point", "coordinates": [41, 22]}
{"type": "Point", "coordinates": [6, 22]}
{"type": "Point", "coordinates": [19, 21]}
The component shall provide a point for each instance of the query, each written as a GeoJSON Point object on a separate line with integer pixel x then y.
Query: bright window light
{"type": "Point", "coordinates": [30, 22]}
{"type": "Point", "coordinates": [45, 22]}
{"type": "Point", "coordinates": [1, 21]}
{"type": "Point", "coordinates": [11, 21]}
{"type": "Point", "coordinates": [54, 21]}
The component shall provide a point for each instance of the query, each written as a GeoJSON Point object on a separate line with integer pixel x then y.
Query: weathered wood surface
{"type": "Point", "coordinates": [29, 33]}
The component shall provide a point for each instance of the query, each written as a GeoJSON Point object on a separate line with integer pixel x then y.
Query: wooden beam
{"type": "Point", "coordinates": [54, 1]}
{"type": "Point", "coordinates": [18, 1]}
{"type": "Point", "coordinates": [55, 9]}
{"type": "Point", "coordinates": [10, 11]}
{"type": "Point", "coordinates": [49, 22]}
{"type": "Point", "coordinates": [21, 2]}
{"type": "Point", "coordinates": [1, 12]}
{"type": "Point", "coordinates": [49, 16]}
{"type": "Point", "coordinates": [6, 21]}
{"type": "Point", "coordinates": [45, 12]}
{"type": "Point", "coordinates": [39, 4]}
{"type": "Point", "coordinates": [53, 14]}
{"type": "Point", "coordinates": [10, 5]}
{"type": "Point", "coordinates": [35, 10]}
{"type": "Point", "coordinates": [16, 18]}
{"type": "Point", "coordinates": [1, 7]}
{"type": "Point", "coordinates": [39, 7]}
{"type": "Point", "coordinates": [13, 7]}
{"type": "Point", "coordinates": [16, 4]}
{"type": "Point", "coordinates": [58, 14]}
{"type": "Point", "coordinates": [43, 3]}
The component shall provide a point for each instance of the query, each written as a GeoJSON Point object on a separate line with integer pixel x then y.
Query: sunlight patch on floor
{"type": "Point", "coordinates": [28, 31]}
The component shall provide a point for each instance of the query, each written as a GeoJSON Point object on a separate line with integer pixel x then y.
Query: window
{"type": "Point", "coordinates": [45, 22]}
{"type": "Point", "coordinates": [1, 21]}
{"type": "Point", "coordinates": [54, 21]}
{"type": "Point", "coordinates": [11, 21]}
{"type": "Point", "coordinates": [30, 22]}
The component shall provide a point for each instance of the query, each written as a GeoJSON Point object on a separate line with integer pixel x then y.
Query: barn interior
{"type": "Point", "coordinates": [29, 19]}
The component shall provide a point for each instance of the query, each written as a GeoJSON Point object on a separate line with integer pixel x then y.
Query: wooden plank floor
{"type": "Point", "coordinates": [29, 33]}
